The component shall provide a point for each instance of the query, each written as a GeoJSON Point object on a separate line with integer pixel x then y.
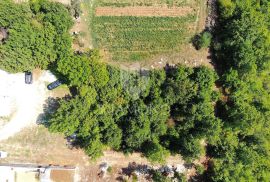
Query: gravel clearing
{"type": "Point", "coordinates": [20, 103]}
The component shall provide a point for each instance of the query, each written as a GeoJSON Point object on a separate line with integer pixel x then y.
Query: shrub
{"type": "Point", "coordinates": [203, 40]}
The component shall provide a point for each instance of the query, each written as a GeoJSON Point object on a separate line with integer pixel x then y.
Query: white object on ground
{"type": "Point", "coordinates": [104, 166]}
{"type": "Point", "coordinates": [180, 168]}
{"type": "Point", "coordinates": [3, 154]}
{"type": "Point", "coordinates": [22, 102]}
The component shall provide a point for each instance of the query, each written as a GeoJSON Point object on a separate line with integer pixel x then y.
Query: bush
{"type": "Point", "coordinates": [226, 7]}
{"type": "Point", "coordinates": [203, 40]}
{"type": "Point", "coordinates": [109, 170]}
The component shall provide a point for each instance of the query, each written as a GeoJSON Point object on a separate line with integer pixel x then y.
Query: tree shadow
{"type": "Point", "coordinates": [49, 107]}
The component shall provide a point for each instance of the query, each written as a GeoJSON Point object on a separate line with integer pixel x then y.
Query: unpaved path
{"type": "Point", "coordinates": [144, 11]}
{"type": "Point", "coordinates": [82, 26]}
{"type": "Point", "coordinates": [22, 102]}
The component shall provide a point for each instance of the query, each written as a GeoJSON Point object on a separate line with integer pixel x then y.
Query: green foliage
{"type": "Point", "coordinates": [242, 153]}
{"type": "Point", "coordinates": [109, 170]}
{"type": "Point", "coordinates": [199, 169]}
{"type": "Point", "coordinates": [203, 40]}
{"type": "Point", "coordinates": [159, 177]}
{"type": "Point", "coordinates": [130, 111]}
{"type": "Point", "coordinates": [155, 152]}
{"type": "Point", "coordinates": [226, 7]}
{"type": "Point", "coordinates": [37, 35]}
{"type": "Point", "coordinates": [137, 38]}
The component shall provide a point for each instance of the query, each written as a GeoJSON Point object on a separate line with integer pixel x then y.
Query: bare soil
{"type": "Point", "coordinates": [62, 176]}
{"type": "Point", "coordinates": [66, 2]}
{"type": "Point", "coordinates": [37, 145]}
{"type": "Point", "coordinates": [144, 11]}
{"type": "Point", "coordinates": [188, 56]}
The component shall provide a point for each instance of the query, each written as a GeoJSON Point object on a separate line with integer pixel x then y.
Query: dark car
{"type": "Point", "coordinates": [54, 84]}
{"type": "Point", "coordinates": [28, 77]}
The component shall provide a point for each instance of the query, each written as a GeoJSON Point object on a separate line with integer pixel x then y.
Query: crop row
{"type": "Point", "coordinates": [137, 38]}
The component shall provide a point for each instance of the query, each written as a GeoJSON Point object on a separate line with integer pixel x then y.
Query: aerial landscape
{"type": "Point", "coordinates": [134, 90]}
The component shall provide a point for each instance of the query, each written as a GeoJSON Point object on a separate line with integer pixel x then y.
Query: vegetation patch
{"type": "Point", "coordinates": [137, 38]}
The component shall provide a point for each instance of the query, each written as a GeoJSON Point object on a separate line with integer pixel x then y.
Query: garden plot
{"type": "Point", "coordinates": [144, 11]}
{"type": "Point", "coordinates": [139, 31]}
{"type": "Point", "coordinates": [130, 38]}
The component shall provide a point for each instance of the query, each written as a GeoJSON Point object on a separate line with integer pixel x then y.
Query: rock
{"type": "Point", "coordinates": [104, 166]}
{"type": "Point", "coordinates": [180, 168]}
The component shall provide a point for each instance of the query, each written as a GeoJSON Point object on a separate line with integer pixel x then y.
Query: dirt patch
{"type": "Point", "coordinates": [144, 11]}
{"type": "Point", "coordinates": [21, 102]}
{"type": "Point", "coordinates": [202, 16]}
{"type": "Point", "coordinates": [62, 175]}
{"type": "Point", "coordinates": [66, 2]}
{"type": "Point", "coordinates": [188, 56]}
{"type": "Point", "coordinates": [37, 145]}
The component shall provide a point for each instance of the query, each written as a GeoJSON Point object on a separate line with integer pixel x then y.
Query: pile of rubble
{"type": "Point", "coordinates": [144, 172]}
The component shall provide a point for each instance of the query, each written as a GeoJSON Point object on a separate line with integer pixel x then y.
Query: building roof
{"type": "Point", "coordinates": [36, 173]}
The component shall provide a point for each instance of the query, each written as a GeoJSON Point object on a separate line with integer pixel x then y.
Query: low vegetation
{"type": "Point", "coordinates": [202, 40]}
{"type": "Point", "coordinates": [138, 38]}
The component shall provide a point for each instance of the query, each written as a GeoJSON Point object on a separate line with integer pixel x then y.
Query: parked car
{"type": "Point", "coordinates": [28, 77]}
{"type": "Point", "coordinates": [3, 154]}
{"type": "Point", "coordinates": [54, 84]}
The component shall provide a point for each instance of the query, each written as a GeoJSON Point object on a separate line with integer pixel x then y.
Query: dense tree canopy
{"type": "Point", "coordinates": [130, 111]}
{"type": "Point", "coordinates": [243, 50]}
{"type": "Point", "coordinates": [38, 34]}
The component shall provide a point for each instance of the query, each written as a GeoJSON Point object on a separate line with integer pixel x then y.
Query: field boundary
{"type": "Point", "coordinates": [144, 11]}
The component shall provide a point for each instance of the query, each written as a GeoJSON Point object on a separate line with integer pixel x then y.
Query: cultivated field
{"type": "Point", "coordinates": [148, 31]}
{"type": "Point", "coordinates": [130, 38]}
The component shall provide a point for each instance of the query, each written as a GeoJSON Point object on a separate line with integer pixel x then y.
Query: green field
{"type": "Point", "coordinates": [139, 38]}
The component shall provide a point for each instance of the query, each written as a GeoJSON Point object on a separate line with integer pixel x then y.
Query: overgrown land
{"type": "Point", "coordinates": [158, 112]}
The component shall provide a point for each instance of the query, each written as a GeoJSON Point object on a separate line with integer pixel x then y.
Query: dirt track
{"type": "Point", "coordinates": [143, 11]}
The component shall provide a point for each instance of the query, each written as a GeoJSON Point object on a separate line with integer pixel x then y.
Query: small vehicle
{"type": "Point", "coordinates": [54, 85]}
{"type": "Point", "coordinates": [28, 77]}
{"type": "Point", "coordinates": [3, 154]}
